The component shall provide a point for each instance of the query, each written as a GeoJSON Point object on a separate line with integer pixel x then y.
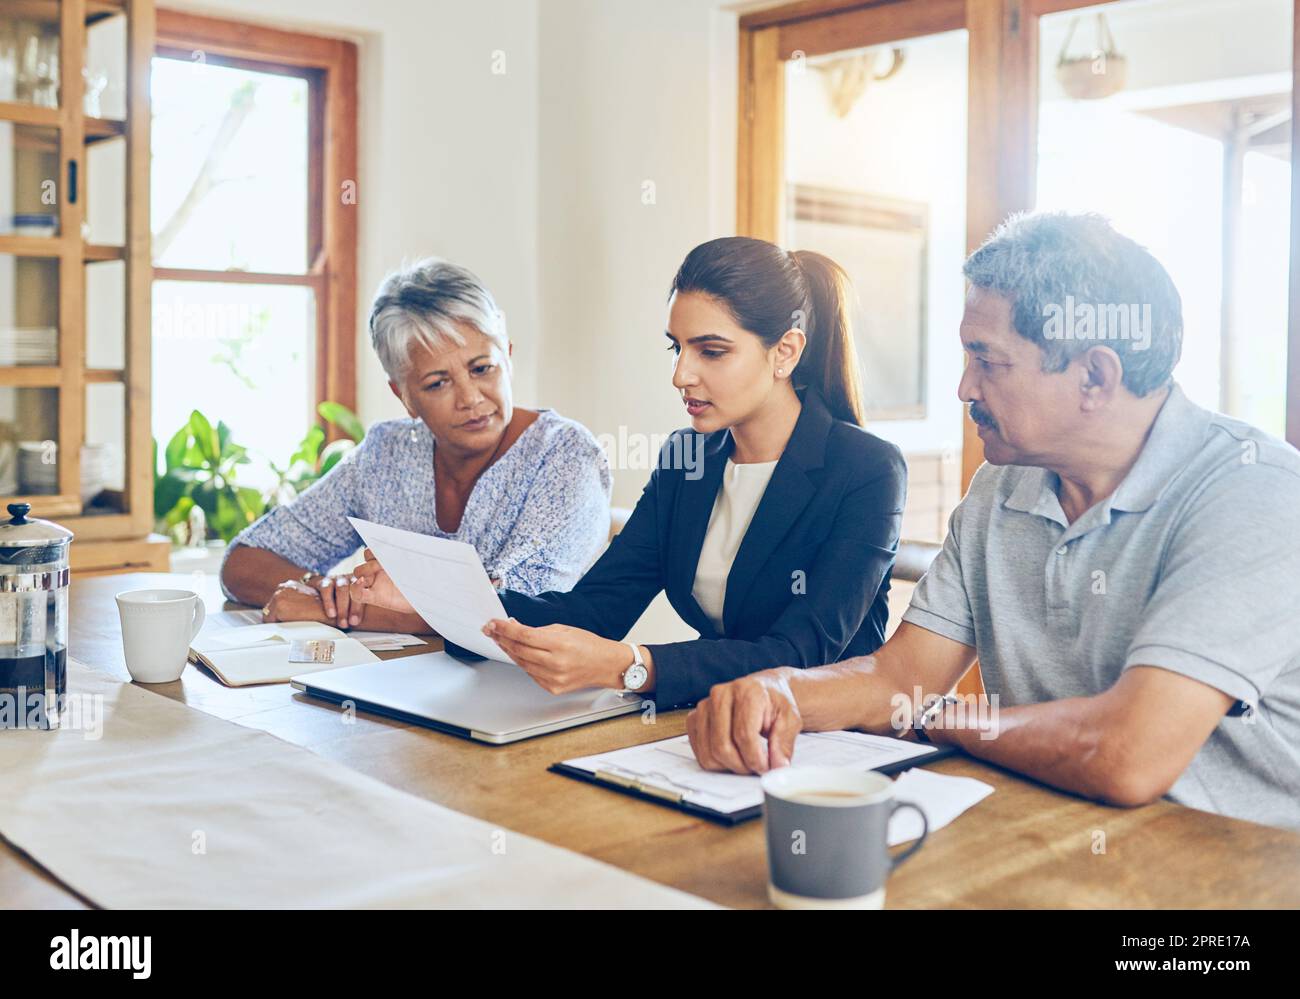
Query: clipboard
{"type": "Point", "coordinates": [659, 795]}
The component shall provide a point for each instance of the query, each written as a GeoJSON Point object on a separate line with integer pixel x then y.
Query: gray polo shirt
{"type": "Point", "coordinates": [1191, 565]}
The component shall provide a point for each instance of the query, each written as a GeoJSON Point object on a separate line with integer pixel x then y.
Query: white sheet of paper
{"type": "Point", "coordinates": [114, 817]}
{"type": "Point", "coordinates": [941, 796]}
{"type": "Point", "coordinates": [670, 764]}
{"type": "Point", "coordinates": [444, 581]}
{"type": "Point", "coordinates": [276, 633]}
{"type": "Point", "coordinates": [384, 641]}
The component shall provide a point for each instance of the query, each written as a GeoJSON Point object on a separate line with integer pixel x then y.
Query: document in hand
{"type": "Point", "coordinates": [443, 580]}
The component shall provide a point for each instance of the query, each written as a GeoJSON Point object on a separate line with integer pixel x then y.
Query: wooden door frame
{"type": "Point", "coordinates": [1002, 106]}
{"type": "Point", "coordinates": [1002, 120]}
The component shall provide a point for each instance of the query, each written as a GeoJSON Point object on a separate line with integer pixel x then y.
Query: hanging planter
{"type": "Point", "coordinates": [1092, 77]}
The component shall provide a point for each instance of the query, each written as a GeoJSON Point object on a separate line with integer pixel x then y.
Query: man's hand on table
{"type": "Point", "coordinates": [727, 728]}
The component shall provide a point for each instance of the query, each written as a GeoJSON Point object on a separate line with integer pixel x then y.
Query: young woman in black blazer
{"type": "Point", "coordinates": [764, 362]}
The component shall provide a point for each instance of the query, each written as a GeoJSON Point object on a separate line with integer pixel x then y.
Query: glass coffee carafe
{"type": "Point", "coordinates": [33, 620]}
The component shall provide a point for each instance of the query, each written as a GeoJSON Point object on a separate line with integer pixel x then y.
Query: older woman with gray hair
{"type": "Point", "coordinates": [529, 489]}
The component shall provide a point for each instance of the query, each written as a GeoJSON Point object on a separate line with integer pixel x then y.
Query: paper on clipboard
{"type": "Point", "coordinates": [444, 581]}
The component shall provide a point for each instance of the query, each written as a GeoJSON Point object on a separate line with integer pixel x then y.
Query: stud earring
{"type": "Point", "coordinates": [780, 371]}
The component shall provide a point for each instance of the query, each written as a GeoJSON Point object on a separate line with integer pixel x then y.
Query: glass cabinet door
{"type": "Point", "coordinates": [31, 52]}
{"type": "Point", "coordinates": [68, 163]}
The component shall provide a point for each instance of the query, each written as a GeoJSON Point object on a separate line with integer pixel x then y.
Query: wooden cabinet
{"type": "Point", "coordinates": [75, 270]}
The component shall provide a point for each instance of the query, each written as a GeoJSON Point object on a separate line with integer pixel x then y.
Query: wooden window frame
{"type": "Point", "coordinates": [330, 67]}
{"type": "Point", "coordinates": [1002, 120]}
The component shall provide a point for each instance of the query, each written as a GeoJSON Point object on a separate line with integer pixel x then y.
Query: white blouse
{"type": "Point", "coordinates": [738, 498]}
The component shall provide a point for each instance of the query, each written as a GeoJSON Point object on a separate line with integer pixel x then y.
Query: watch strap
{"type": "Point", "coordinates": [637, 660]}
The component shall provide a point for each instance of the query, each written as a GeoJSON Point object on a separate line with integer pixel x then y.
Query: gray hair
{"type": "Point", "coordinates": [421, 303]}
{"type": "Point", "coordinates": [1051, 263]}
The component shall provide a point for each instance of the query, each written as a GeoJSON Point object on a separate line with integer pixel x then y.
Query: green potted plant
{"type": "Point", "coordinates": [200, 464]}
{"type": "Point", "coordinates": [197, 492]}
{"type": "Point", "coordinates": [313, 457]}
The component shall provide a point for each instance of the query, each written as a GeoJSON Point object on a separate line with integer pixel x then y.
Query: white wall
{"type": "Point", "coordinates": [632, 94]}
{"type": "Point", "coordinates": [448, 149]}
{"type": "Point", "coordinates": [535, 179]}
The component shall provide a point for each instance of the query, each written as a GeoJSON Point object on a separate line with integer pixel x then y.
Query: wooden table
{"type": "Point", "coordinates": [1026, 845]}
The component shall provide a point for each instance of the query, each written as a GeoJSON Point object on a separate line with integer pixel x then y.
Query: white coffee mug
{"type": "Point", "coordinates": [157, 628]}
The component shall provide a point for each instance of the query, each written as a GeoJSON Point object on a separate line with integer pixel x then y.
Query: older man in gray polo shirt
{"type": "Point", "coordinates": [1125, 566]}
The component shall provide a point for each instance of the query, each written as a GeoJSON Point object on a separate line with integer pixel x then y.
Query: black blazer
{"type": "Point", "coordinates": [809, 584]}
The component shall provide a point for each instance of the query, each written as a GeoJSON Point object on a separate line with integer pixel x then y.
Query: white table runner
{"type": "Point", "coordinates": [172, 807]}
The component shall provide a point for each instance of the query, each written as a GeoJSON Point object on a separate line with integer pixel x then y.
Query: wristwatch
{"type": "Point", "coordinates": [930, 713]}
{"type": "Point", "coordinates": [636, 675]}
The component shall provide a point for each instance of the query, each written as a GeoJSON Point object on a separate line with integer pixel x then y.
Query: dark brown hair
{"type": "Point", "coordinates": [769, 291]}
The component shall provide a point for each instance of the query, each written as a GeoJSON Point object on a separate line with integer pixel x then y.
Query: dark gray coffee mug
{"type": "Point", "coordinates": [827, 836]}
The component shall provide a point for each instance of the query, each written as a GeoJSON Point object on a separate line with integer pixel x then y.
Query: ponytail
{"type": "Point", "coordinates": [769, 291]}
{"type": "Point", "coordinates": [830, 360]}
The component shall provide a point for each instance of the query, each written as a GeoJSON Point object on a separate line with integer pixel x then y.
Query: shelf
{"type": "Point", "coordinates": [97, 10]}
{"type": "Point", "coordinates": [30, 376]}
{"type": "Point", "coordinates": [29, 114]}
{"type": "Point", "coordinates": [48, 505]}
{"type": "Point", "coordinates": [48, 11]}
{"type": "Point", "coordinates": [99, 129]}
{"type": "Point", "coordinates": [92, 557]}
{"type": "Point", "coordinates": [46, 376]}
{"type": "Point", "coordinates": [91, 252]}
{"type": "Point", "coordinates": [32, 246]}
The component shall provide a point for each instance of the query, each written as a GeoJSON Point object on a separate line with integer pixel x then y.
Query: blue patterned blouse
{"type": "Point", "coordinates": [537, 516]}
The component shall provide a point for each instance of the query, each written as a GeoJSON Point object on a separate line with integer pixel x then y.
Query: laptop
{"type": "Point", "coordinates": [486, 701]}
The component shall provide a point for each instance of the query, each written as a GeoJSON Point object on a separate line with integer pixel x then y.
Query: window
{"type": "Point", "coordinates": [253, 210]}
{"type": "Point", "coordinates": [1191, 155]}
{"type": "Point", "coordinates": [1194, 162]}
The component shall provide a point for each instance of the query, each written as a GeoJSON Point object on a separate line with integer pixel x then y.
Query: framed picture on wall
{"type": "Point", "coordinates": [882, 244]}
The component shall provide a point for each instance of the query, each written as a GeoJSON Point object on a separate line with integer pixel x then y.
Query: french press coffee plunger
{"type": "Point", "coordinates": [33, 620]}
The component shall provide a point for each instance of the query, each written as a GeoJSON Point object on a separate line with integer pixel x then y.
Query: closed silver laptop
{"type": "Point", "coordinates": [487, 701]}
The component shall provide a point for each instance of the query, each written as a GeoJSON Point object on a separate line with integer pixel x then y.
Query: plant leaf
{"type": "Point", "coordinates": [167, 492]}
{"type": "Point", "coordinates": [205, 438]}
{"type": "Point", "coordinates": [334, 453]}
{"type": "Point", "coordinates": [178, 513]}
{"type": "Point", "coordinates": [251, 501]}
{"type": "Point", "coordinates": [176, 447]}
{"type": "Point", "coordinates": [343, 418]}
{"type": "Point", "coordinates": [223, 437]}
{"type": "Point", "coordinates": [227, 519]}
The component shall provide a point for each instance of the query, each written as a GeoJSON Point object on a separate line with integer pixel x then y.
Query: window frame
{"type": "Point", "coordinates": [330, 67]}
{"type": "Point", "coordinates": [1002, 120]}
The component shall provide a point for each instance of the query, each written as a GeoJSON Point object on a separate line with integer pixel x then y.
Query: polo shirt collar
{"type": "Point", "coordinates": [1035, 493]}
{"type": "Point", "coordinates": [1176, 436]}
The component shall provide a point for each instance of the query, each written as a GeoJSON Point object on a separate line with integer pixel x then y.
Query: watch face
{"type": "Point", "coordinates": [635, 677]}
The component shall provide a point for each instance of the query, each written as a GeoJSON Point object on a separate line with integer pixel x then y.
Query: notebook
{"type": "Point", "coordinates": [666, 772]}
{"type": "Point", "coordinates": [241, 656]}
